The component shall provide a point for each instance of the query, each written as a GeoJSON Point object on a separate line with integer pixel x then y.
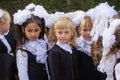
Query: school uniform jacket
{"type": "Point", "coordinates": [62, 64]}
{"type": "Point", "coordinates": [7, 62]}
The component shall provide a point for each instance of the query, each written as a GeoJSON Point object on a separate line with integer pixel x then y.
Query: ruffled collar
{"type": "Point", "coordinates": [37, 48]}
{"type": "Point", "coordinates": [107, 64]}
{"type": "Point", "coordinates": [83, 45]}
{"type": "Point", "coordinates": [66, 47]}
{"type": "Point", "coordinates": [79, 39]}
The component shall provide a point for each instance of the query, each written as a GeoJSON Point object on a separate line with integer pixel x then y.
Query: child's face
{"type": "Point", "coordinates": [85, 32]}
{"type": "Point", "coordinates": [4, 26]}
{"type": "Point", "coordinates": [64, 35]}
{"type": "Point", "coordinates": [32, 31]}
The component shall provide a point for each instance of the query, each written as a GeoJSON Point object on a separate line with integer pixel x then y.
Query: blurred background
{"type": "Point", "coordinates": [56, 5]}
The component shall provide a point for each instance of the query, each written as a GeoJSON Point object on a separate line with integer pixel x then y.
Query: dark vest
{"type": "Point", "coordinates": [36, 71]}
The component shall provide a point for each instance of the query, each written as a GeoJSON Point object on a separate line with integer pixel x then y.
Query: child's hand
{"type": "Point", "coordinates": [11, 54]}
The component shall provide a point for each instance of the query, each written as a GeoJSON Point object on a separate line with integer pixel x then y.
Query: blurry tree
{"type": "Point", "coordinates": [56, 5]}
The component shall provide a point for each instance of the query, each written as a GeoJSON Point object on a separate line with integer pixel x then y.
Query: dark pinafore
{"type": "Point", "coordinates": [36, 71]}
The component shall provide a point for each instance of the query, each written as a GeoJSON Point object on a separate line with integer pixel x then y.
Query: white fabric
{"type": "Point", "coordinates": [1, 13]}
{"type": "Point", "coordinates": [37, 48]}
{"type": "Point", "coordinates": [117, 68]}
{"type": "Point", "coordinates": [22, 15]}
{"type": "Point", "coordinates": [3, 39]}
{"type": "Point", "coordinates": [117, 71]}
{"type": "Point", "coordinates": [107, 65]}
{"type": "Point", "coordinates": [22, 65]}
{"type": "Point", "coordinates": [83, 45]}
{"type": "Point", "coordinates": [66, 47]}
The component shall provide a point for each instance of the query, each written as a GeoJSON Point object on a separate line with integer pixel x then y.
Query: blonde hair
{"type": "Point", "coordinates": [85, 23]}
{"type": "Point", "coordinates": [5, 17]}
{"type": "Point", "coordinates": [96, 50]}
{"type": "Point", "coordinates": [62, 23]}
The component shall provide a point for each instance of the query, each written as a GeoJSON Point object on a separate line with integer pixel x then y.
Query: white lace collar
{"type": "Point", "coordinates": [82, 39]}
{"type": "Point", "coordinates": [37, 48]}
{"type": "Point", "coordinates": [66, 47]}
{"type": "Point", "coordinates": [83, 45]}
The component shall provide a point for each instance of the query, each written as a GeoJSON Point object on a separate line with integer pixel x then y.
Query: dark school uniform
{"type": "Point", "coordinates": [87, 69]}
{"type": "Point", "coordinates": [62, 64]}
{"type": "Point", "coordinates": [7, 62]}
{"type": "Point", "coordinates": [36, 71]}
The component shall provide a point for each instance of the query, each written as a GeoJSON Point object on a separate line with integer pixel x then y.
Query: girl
{"type": "Point", "coordinates": [111, 51]}
{"type": "Point", "coordinates": [31, 54]}
{"type": "Point", "coordinates": [84, 40]}
{"type": "Point", "coordinates": [62, 57]}
{"type": "Point", "coordinates": [7, 47]}
{"type": "Point", "coordinates": [84, 44]}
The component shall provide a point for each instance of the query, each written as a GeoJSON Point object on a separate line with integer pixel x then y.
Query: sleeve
{"type": "Point", "coordinates": [117, 71]}
{"type": "Point", "coordinates": [54, 65]}
{"type": "Point", "coordinates": [22, 65]}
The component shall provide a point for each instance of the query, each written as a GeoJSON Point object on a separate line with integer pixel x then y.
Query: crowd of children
{"type": "Point", "coordinates": [61, 46]}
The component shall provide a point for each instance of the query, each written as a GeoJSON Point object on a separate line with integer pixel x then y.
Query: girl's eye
{"type": "Point", "coordinates": [85, 30]}
{"type": "Point", "coordinates": [66, 32]}
{"type": "Point", "coordinates": [59, 32]}
{"type": "Point", "coordinates": [29, 30]}
{"type": "Point", "coordinates": [36, 30]}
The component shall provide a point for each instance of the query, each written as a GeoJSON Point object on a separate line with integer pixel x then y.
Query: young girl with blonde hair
{"type": "Point", "coordinates": [84, 42]}
{"type": "Point", "coordinates": [7, 47]}
{"type": "Point", "coordinates": [62, 57]}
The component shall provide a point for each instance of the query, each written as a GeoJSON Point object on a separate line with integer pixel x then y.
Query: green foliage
{"type": "Point", "coordinates": [56, 5]}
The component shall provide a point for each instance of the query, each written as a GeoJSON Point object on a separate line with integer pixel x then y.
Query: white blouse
{"type": "Point", "coordinates": [37, 48]}
{"type": "Point", "coordinates": [83, 45]}
{"type": "Point", "coordinates": [4, 40]}
{"type": "Point", "coordinates": [66, 47]}
{"type": "Point", "coordinates": [117, 69]}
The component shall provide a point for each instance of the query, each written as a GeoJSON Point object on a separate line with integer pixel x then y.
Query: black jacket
{"type": "Point", "coordinates": [62, 64]}
{"type": "Point", "coordinates": [7, 62]}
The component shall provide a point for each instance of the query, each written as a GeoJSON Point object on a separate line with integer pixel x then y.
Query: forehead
{"type": "Point", "coordinates": [32, 26]}
{"type": "Point", "coordinates": [65, 29]}
{"type": "Point", "coordinates": [88, 27]}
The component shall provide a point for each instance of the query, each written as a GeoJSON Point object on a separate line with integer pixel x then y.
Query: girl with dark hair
{"type": "Point", "coordinates": [31, 49]}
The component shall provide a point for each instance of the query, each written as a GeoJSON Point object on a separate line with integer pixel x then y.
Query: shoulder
{"type": "Point", "coordinates": [55, 50]}
{"type": "Point", "coordinates": [21, 52]}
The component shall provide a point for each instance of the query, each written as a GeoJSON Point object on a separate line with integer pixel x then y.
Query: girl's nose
{"type": "Point", "coordinates": [63, 35]}
{"type": "Point", "coordinates": [88, 32]}
{"type": "Point", "coordinates": [33, 34]}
